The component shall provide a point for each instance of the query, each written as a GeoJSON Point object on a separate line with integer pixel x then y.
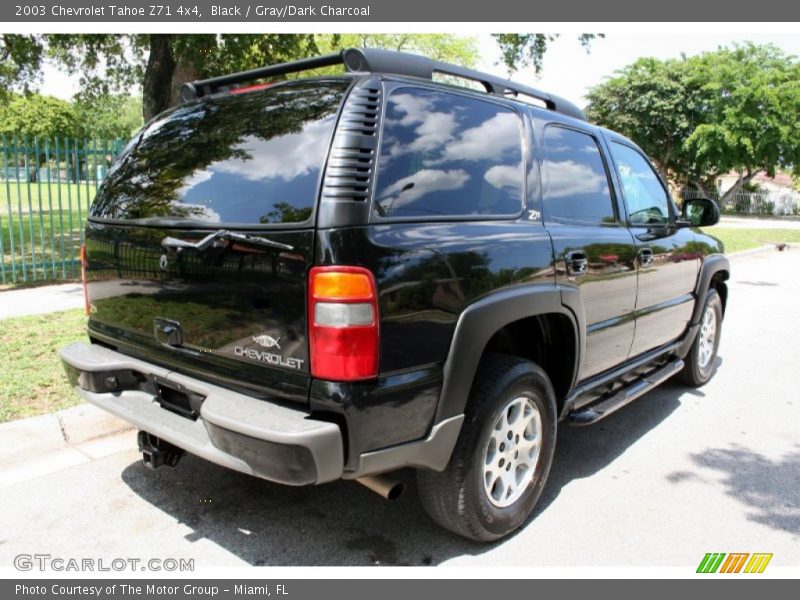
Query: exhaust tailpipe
{"type": "Point", "coordinates": [389, 488]}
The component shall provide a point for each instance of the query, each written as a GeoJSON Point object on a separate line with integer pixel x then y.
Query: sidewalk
{"type": "Point", "coordinates": [40, 300]}
{"type": "Point", "coordinates": [30, 448]}
{"type": "Point", "coordinates": [758, 223]}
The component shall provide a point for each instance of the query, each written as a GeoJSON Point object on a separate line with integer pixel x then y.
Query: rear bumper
{"type": "Point", "coordinates": [233, 430]}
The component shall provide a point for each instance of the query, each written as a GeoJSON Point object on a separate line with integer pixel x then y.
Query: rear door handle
{"type": "Point", "coordinates": [577, 263]}
{"type": "Point", "coordinates": [646, 257]}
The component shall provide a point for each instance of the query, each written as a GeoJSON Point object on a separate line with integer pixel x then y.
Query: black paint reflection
{"type": "Point", "coordinates": [237, 158]}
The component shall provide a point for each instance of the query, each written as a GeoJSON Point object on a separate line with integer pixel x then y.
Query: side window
{"type": "Point", "coordinates": [574, 178]}
{"type": "Point", "coordinates": [648, 202]}
{"type": "Point", "coordinates": [449, 155]}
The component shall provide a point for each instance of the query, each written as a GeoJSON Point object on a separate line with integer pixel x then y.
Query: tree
{"type": "Point", "coordinates": [703, 116]}
{"type": "Point", "coordinates": [440, 46]}
{"type": "Point", "coordinates": [38, 116]}
{"type": "Point", "coordinates": [653, 103]}
{"type": "Point", "coordinates": [750, 101]}
{"type": "Point", "coordinates": [20, 61]}
{"type": "Point", "coordinates": [160, 63]}
{"type": "Point", "coordinates": [109, 117]}
{"type": "Point", "coordinates": [524, 49]}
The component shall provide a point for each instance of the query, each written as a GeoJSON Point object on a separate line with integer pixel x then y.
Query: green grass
{"type": "Point", "coordinates": [738, 239]}
{"type": "Point", "coordinates": [32, 380]}
{"type": "Point", "coordinates": [18, 194]}
{"type": "Point", "coordinates": [42, 242]}
{"type": "Point", "coordinates": [26, 210]}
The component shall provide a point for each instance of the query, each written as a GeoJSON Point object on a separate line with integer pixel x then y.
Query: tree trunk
{"type": "Point", "coordinates": [157, 86]}
{"type": "Point", "coordinates": [184, 72]}
{"type": "Point", "coordinates": [736, 187]}
{"type": "Point", "coordinates": [700, 187]}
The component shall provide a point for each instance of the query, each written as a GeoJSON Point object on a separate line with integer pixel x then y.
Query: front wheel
{"type": "Point", "coordinates": [503, 454]}
{"type": "Point", "coordinates": [701, 362]}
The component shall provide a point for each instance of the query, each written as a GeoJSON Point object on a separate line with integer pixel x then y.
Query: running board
{"type": "Point", "coordinates": [593, 413]}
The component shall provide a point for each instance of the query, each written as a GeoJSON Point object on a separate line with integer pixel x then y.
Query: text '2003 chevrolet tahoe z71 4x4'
{"type": "Point", "coordinates": [341, 276]}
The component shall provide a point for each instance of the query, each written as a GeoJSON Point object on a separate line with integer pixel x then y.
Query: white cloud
{"type": "Point", "coordinates": [414, 107]}
{"type": "Point", "coordinates": [195, 179]}
{"type": "Point", "coordinates": [501, 176]}
{"type": "Point", "coordinates": [435, 131]}
{"type": "Point", "coordinates": [490, 139]}
{"type": "Point", "coordinates": [568, 178]}
{"type": "Point", "coordinates": [424, 182]}
{"type": "Point", "coordinates": [286, 156]}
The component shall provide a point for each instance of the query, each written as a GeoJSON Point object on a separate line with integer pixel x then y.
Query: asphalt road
{"type": "Point", "coordinates": [674, 475]}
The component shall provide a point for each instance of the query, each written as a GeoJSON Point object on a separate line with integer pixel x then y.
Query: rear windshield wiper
{"type": "Point", "coordinates": [222, 234]}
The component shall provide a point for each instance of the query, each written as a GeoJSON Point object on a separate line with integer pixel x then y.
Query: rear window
{"type": "Point", "coordinates": [448, 154]}
{"type": "Point", "coordinates": [251, 158]}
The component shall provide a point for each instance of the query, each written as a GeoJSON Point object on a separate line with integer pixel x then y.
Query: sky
{"type": "Point", "coordinates": [569, 71]}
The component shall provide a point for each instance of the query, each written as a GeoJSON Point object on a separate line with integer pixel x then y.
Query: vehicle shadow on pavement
{"type": "Point", "coordinates": [343, 523]}
{"type": "Point", "coordinates": [583, 451]}
{"type": "Point", "coordinates": [769, 487]}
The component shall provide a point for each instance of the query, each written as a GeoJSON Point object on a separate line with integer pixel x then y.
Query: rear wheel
{"type": "Point", "coordinates": [503, 454]}
{"type": "Point", "coordinates": [701, 362]}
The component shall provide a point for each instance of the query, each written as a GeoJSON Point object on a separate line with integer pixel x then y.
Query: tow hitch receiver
{"type": "Point", "coordinates": [157, 452]}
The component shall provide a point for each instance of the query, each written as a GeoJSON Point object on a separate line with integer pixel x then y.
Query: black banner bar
{"type": "Point", "coordinates": [383, 589]}
{"type": "Point", "coordinates": [348, 11]}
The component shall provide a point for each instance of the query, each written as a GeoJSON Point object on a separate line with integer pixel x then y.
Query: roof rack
{"type": "Point", "coordinates": [374, 60]}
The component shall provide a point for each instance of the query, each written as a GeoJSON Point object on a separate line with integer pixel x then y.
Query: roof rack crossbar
{"type": "Point", "coordinates": [205, 87]}
{"type": "Point", "coordinates": [376, 60]}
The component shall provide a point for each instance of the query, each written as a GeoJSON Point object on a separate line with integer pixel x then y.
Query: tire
{"type": "Point", "coordinates": [701, 361]}
{"type": "Point", "coordinates": [470, 498]}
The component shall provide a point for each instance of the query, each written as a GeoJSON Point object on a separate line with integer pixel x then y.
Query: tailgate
{"type": "Point", "coordinates": [200, 239]}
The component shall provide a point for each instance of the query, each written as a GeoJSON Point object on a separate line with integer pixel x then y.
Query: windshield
{"type": "Point", "coordinates": [250, 158]}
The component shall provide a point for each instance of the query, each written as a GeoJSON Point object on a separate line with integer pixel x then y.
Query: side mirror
{"type": "Point", "coordinates": [700, 212]}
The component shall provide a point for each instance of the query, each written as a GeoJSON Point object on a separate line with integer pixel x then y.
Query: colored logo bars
{"type": "Point", "coordinates": [734, 562]}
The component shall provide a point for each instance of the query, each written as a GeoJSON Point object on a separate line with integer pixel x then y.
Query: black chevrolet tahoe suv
{"type": "Point", "coordinates": [336, 277]}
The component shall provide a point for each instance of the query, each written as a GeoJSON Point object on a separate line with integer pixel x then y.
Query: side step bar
{"type": "Point", "coordinates": [593, 413]}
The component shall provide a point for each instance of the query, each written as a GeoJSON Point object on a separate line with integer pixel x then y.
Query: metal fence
{"type": "Point", "coordinates": [46, 188]}
{"type": "Point", "coordinates": [763, 203]}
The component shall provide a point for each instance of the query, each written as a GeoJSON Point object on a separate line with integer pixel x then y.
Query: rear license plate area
{"type": "Point", "coordinates": [175, 398]}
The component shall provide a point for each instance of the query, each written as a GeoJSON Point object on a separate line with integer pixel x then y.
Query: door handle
{"type": "Point", "coordinates": [577, 263]}
{"type": "Point", "coordinates": [646, 257]}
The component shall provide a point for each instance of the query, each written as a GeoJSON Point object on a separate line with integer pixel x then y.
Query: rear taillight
{"type": "Point", "coordinates": [343, 323]}
{"type": "Point", "coordinates": [86, 305]}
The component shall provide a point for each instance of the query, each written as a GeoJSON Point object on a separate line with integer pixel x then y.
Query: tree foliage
{"type": "Point", "coordinates": [528, 49]}
{"type": "Point", "coordinates": [109, 64]}
{"type": "Point", "coordinates": [20, 62]}
{"type": "Point", "coordinates": [439, 46]}
{"type": "Point", "coordinates": [700, 117]}
{"type": "Point", "coordinates": [110, 117]}
{"type": "Point", "coordinates": [104, 117]}
{"type": "Point", "coordinates": [160, 63]}
{"type": "Point", "coordinates": [39, 116]}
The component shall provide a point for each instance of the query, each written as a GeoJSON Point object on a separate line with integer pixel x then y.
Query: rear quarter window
{"type": "Point", "coordinates": [444, 154]}
{"type": "Point", "coordinates": [250, 158]}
